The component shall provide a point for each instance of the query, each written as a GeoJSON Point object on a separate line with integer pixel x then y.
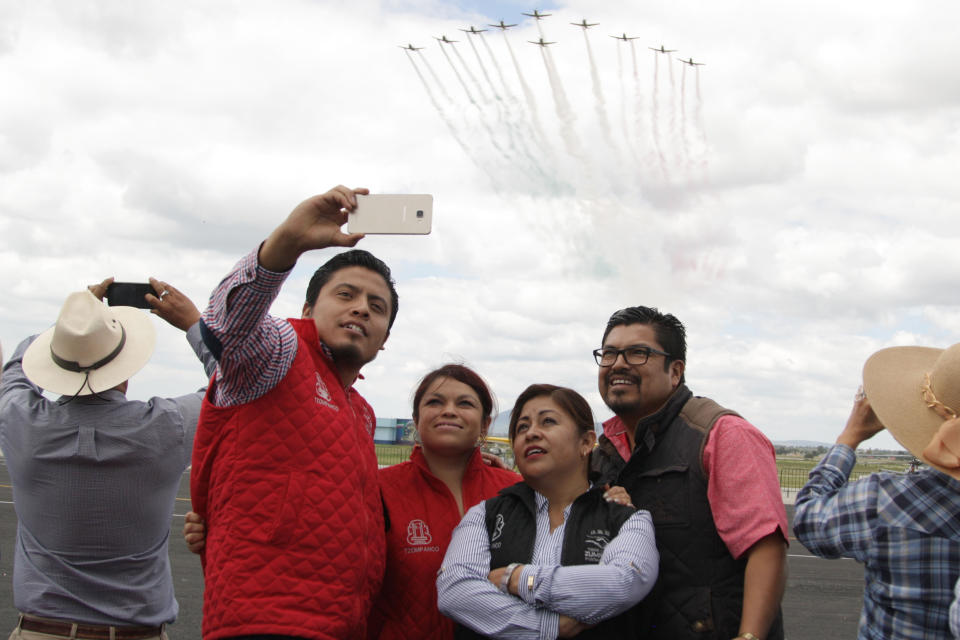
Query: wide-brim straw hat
{"type": "Point", "coordinates": [91, 348]}
{"type": "Point", "coordinates": [902, 382]}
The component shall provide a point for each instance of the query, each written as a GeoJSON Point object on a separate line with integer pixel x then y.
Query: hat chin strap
{"type": "Point", "coordinates": [76, 367]}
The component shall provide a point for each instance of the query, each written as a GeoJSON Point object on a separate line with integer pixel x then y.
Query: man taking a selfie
{"type": "Point", "coordinates": [284, 468]}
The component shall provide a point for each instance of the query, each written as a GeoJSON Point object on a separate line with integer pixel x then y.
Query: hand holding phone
{"type": "Point", "coordinates": [392, 214]}
{"type": "Point", "coordinates": [129, 294]}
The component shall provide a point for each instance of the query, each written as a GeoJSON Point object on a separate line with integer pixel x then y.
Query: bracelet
{"type": "Point", "coordinates": [747, 636]}
{"type": "Point", "coordinates": [507, 574]}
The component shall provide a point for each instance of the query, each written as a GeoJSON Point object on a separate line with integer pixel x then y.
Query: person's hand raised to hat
{"type": "Point", "coordinates": [862, 424]}
{"type": "Point", "coordinates": [314, 224]}
{"type": "Point", "coordinates": [171, 305]}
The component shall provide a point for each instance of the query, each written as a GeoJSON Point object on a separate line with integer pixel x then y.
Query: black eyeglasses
{"type": "Point", "coordinates": [633, 355]}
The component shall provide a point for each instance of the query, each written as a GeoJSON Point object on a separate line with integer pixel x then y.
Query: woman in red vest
{"type": "Point", "coordinates": [426, 497]}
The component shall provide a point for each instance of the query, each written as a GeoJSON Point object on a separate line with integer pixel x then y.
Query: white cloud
{"type": "Point", "coordinates": [797, 216]}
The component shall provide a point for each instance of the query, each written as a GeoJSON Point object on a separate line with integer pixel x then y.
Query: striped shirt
{"type": "Point", "coordinates": [255, 350]}
{"type": "Point", "coordinates": [902, 527]}
{"type": "Point", "coordinates": [94, 483]}
{"type": "Point", "coordinates": [589, 593]}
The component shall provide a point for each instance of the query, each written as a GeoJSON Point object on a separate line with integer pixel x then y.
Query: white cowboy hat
{"type": "Point", "coordinates": [92, 347]}
{"type": "Point", "coordinates": [913, 391]}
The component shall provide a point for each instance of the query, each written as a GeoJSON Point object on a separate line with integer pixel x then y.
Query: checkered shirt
{"type": "Point", "coordinates": [904, 528]}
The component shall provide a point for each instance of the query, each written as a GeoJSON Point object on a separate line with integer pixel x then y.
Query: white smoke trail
{"type": "Point", "coordinates": [531, 101]}
{"type": "Point", "coordinates": [684, 134]}
{"type": "Point", "coordinates": [600, 104]}
{"type": "Point", "coordinates": [638, 113]}
{"type": "Point", "coordinates": [672, 107]}
{"type": "Point", "coordinates": [473, 78]}
{"type": "Point", "coordinates": [568, 123]}
{"type": "Point", "coordinates": [466, 90]}
{"type": "Point", "coordinates": [519, 131]}
{"type": "Point", "coordinates": [632, 143]}
{"type": "Point", "coordinates": [700, 125]}
{"type": "Point", "coordinates": [436, 78]}
{"type": "Point", "coordinates": [446, 120]}
{"type": "Point", "coordinates": [483, 70]}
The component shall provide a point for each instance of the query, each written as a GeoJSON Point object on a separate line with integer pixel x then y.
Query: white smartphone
{"type": "Point", "coordinates": [392, 213]}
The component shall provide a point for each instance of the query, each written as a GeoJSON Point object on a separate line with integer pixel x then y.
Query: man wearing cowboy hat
{"type": "Point", "coordinates": [903, 527]}
{"type": "Point", "coordinates": [94, 474]}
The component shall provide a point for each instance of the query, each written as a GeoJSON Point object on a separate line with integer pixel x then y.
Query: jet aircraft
{"type": "Point", "coordinates": [410, 47]}
{"type": "Point", "coordinates": [537, 15]}
{"type": "Point", "coordinates": [540, 42]}
{"type": "Point", "coordinates": [692, 63]}
{"type": "Point", "coordinates": [502, 26]}
{"type": "Point", "coordinates": [661, 49]}
{"type": "Point", "coordinates": [584, 24]}
{"type": "Point", "coordinates": [472, 30]}
{"type": "Point", "coordinates": [444, 39]}
{"type": "Point", "coordinates": [624, 37]}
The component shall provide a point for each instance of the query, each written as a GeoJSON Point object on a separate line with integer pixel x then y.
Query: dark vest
{"type": "Point", "coordinates": [699, 594]}
{"type": "Point", "coordinates": [512, 530]}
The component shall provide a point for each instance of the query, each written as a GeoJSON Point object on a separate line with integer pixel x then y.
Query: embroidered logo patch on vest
{"type": "Point", "coordinates": [368, 421]}
{"type": "Point", "coordinates": [323, 394]}
{"type": "Point", "coordinates": [594, 544]}
{"type": "Point", "coordinates": [418, 535]}
{"type": "Point", "coordinates": [497, 531]}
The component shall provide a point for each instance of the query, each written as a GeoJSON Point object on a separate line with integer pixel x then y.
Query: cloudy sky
{"type": "Point", "coordinates": [794, 201]}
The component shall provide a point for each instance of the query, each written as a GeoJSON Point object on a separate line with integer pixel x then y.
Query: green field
{"type": "Point", "coordinates": [792, 472]}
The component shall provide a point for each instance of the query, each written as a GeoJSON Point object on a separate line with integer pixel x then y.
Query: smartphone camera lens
{"type": "Point", "coordinates": [419, 213]}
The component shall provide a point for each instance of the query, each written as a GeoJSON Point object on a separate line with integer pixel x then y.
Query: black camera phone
{"type": "Point", "coordinates": [129, 294]}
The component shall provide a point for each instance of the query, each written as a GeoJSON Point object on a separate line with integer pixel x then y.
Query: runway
{"type": "Point", "coordinates": [823, 597]}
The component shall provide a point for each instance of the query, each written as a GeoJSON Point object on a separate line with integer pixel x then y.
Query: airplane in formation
{"type": "Point", "coordinates": [537, 15]}
{"type": "Point", "coordinates": [661, 49]}
{"type": "Point", "coordinates": [502, 26]}
{"type": "Point", "coordinates": [584, 24]}
{"type": "Point", "coordinates": [692, 63]}
{"type": "Point", "coordinates": [444, 39]}
{"type": "Point", "coordinates": [624, 37]}
{"type": "Point", "coordinates": [410, 47]}
{"type": "Point", "coordinates": [540, 42]}
{"type": "Point", "coordinates": [473, 30]}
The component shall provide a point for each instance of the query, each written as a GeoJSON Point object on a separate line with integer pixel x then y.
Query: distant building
{"type": "Point", "coordinates": [391, 431]}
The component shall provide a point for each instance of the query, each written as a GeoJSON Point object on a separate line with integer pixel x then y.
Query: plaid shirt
{"type": "Point", "coordinates": [903, 527]}
{"type": "Point", "coordinates": [255, 350]}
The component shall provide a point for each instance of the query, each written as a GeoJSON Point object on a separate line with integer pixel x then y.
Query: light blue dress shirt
{"type": "Point", "coordinates": [94, 484]}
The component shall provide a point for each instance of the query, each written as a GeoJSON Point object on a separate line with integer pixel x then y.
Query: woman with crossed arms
{"type": "Point", "coordinates": [549, 557]}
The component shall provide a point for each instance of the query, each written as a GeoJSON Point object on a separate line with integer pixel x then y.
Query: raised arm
{"type": "Point", "coordinates": [255, 350]}
{"type": "Point", "coordinates": [834, 518]}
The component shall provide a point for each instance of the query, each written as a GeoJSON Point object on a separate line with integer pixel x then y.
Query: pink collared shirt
{"type": "Point", "coordinates": [742, 483]}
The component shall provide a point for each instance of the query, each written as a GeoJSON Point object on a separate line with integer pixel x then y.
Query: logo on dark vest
{"type": "Point", "coordinates": [497, 528]}
{"type": "Point", "coordinates": [594, 544]}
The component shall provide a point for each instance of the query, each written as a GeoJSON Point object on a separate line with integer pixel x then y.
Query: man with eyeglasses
{"type": "Point", "coordinates": [708, 478]}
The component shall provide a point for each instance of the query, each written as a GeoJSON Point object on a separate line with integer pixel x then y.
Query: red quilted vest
{"type": "Point", "coordinates": [288, 487]}
{"type": "Point", "coordinates": [423, 514]}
